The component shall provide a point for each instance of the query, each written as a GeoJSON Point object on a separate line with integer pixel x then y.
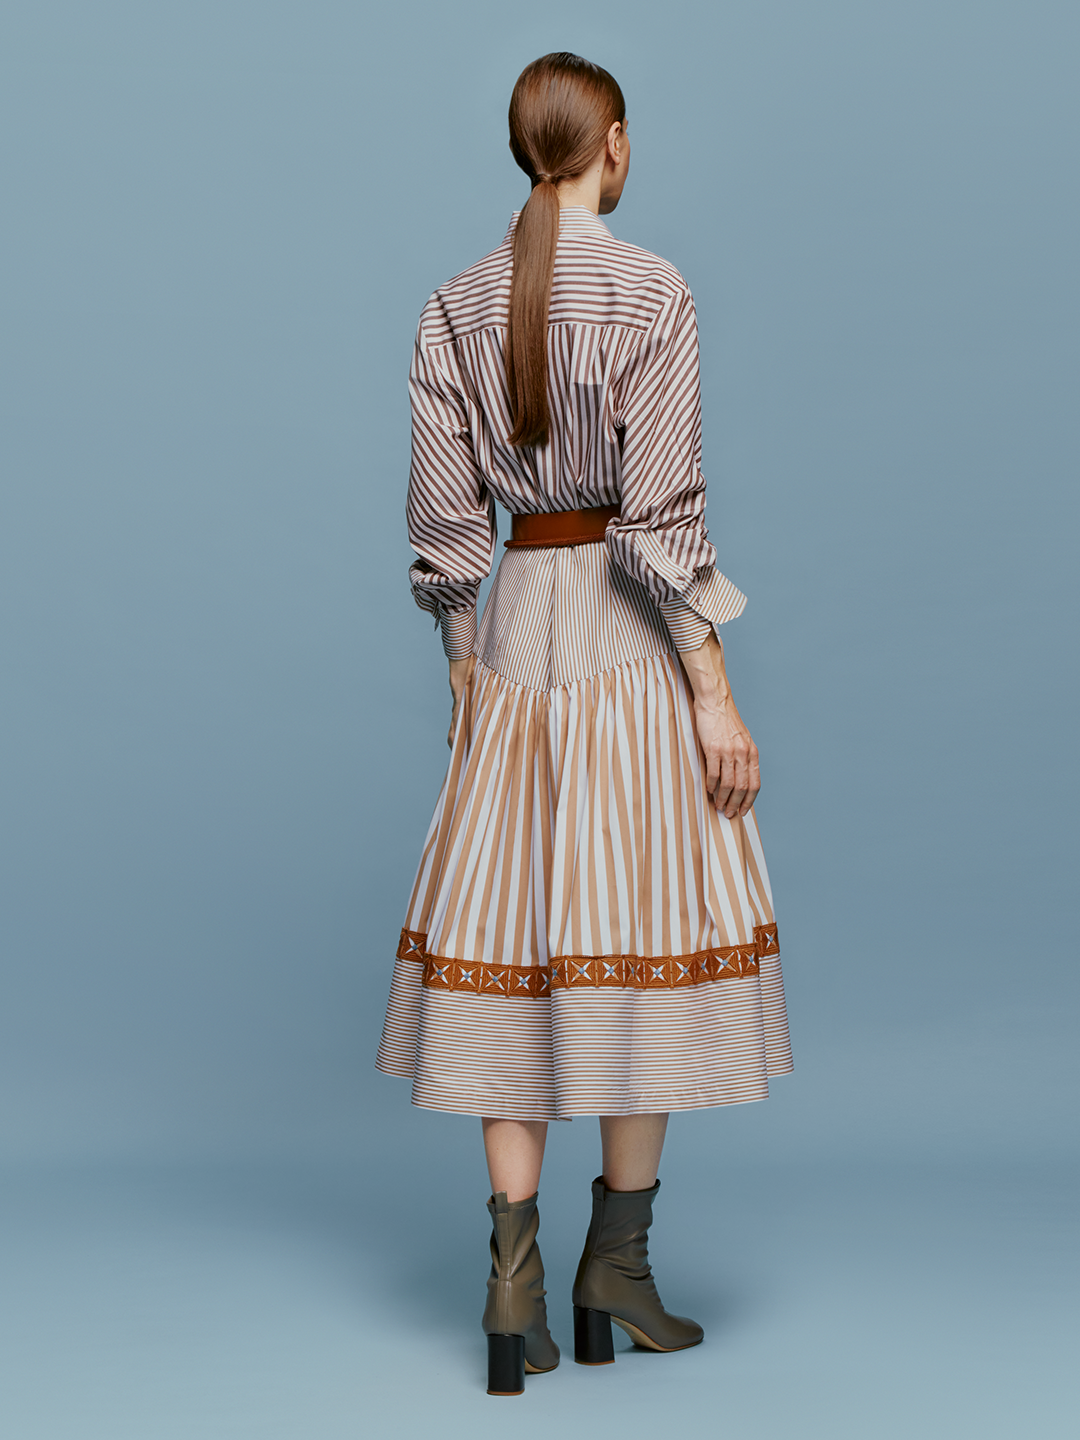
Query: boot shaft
{"type": "Point", "coordinates": [619, 1230]}
{"type": "Point", "coordinates": [514, 1227]}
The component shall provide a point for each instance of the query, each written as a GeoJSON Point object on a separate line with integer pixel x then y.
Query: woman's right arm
{"type": "Point", "coordinates": [451, 515]}
{"type": "Point", "coordinates": [733, 776]}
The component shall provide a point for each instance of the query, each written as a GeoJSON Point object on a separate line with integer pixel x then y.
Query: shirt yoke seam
{"type": "Point", "coordinates": [432, 345]}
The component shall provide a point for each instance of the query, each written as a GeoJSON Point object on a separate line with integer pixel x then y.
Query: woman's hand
{"type": "Point", "coordinates": [732, 775]}
{"type": "Point", "coordinates": [460, 670]}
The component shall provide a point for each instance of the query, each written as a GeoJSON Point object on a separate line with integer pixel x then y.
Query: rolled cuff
{"type": "Point", "coordinates": [711, 601]}
{"type": "Point", "coordinates": [458, 632]}
{"type": "Point", "coordinates": [688, 629]}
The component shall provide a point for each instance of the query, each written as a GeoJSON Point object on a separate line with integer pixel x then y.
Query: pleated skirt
{"type": "Point", "coordinates": [586, 935]}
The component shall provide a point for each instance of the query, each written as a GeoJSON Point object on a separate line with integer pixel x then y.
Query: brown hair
{"type": "Point", "coordinates": [560, 112]}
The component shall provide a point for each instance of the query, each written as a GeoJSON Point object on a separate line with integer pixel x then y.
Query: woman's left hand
{"type": "Point", "coordinates": [732, 769]}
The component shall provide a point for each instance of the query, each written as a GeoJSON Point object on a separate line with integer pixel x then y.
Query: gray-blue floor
{"type": "Point", "coordinates": [312, 1301]}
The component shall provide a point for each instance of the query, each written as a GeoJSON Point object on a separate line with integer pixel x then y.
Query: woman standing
{"type": "Point", "coordinates": [591, 928]}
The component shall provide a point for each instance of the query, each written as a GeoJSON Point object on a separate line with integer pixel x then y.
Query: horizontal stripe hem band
{"type": "Point", "coordinates": [659, 1103]}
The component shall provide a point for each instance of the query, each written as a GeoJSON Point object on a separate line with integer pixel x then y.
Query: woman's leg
{"type": "Point", "coordinates": [614, 1281]}
{"type": "Point", "coordinates": [515, 1153]}
{"type": "Point", "coordinates": [632, 1145]}
{"type": "Point", "coordinates": [515, 1317]}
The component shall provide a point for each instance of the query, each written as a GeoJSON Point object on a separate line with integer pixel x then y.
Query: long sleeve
{"type": "Point", "coordinates": [660, 537]}
{"type": "Point", "coordinates": [451, 515]}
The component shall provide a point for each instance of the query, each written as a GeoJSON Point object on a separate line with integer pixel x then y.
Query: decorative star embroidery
{"type": "Point", "coordinates": [572, 971]}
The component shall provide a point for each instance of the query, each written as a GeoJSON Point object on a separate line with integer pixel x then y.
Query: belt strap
{"type": "Point", "coordinates": [561, 527]}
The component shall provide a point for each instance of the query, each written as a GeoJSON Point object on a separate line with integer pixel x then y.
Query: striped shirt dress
{"type": "Point", "coordinates": [586, 934]}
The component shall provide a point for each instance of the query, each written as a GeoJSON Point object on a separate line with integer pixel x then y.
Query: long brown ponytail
{"type": "Point", "coordinates": [560, 112]}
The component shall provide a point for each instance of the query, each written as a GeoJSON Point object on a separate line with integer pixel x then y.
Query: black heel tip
{"type": "Point", "coordinates": [506, 1365]}
{"type": "Point", "coordinates": [592, 1337]}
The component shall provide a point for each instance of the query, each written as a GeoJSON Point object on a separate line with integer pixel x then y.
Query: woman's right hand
{"type": "Point", "coordinates": [460, 670]}
{"type": "Point", "coordinates": [732, 772]}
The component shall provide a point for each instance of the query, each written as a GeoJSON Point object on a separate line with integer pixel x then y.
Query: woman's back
{"type": "Point", "coordinates": [625, 429]}
{"type": "Point", "coordinates": [608, 300]}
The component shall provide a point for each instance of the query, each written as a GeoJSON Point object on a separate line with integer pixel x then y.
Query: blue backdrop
{"type": "Point", "coordinates": [224, 718]}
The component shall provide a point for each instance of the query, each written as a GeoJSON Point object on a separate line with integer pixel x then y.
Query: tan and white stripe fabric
{"type": "Point", "coordinates": [586, 935]}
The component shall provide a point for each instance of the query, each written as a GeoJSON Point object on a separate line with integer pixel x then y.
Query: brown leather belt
{"type": "Point", "coordinates": [561, 527]}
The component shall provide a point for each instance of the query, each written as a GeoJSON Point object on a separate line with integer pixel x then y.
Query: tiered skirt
{"type": "Point", "coordinates": [586, 935]}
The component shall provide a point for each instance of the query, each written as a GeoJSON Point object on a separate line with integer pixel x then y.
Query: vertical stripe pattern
{"type": "Point", "coordinates": [573, 825]}
{"type": "Point", "coordinates": [625, 428]}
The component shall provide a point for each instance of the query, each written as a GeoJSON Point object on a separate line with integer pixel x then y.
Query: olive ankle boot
{"type": "Point", "coordinates": [515, 1317]}
{"type": "Point", "coordinates": [614, 1281]}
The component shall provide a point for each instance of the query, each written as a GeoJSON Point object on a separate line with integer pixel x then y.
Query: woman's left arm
{"type": "Point", "coordinates": [660, 537]}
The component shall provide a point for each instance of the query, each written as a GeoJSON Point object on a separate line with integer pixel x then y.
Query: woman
{"type": "Point", "coordinates": [591, 931]}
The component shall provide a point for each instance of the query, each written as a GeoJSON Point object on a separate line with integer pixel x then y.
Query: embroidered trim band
{"type": "Point", "coordinates": [626, 972]}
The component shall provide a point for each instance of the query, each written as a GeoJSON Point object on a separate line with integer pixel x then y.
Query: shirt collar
{"type": "Point", "coordinates": [573, 220]}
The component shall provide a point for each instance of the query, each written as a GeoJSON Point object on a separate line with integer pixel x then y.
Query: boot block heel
{"type": "Point", "coordinates": [592, 1337]}
{"type": "Point", "coordinates": [506, 1364]}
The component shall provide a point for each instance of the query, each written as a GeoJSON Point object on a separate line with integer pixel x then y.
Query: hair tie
{"type": "Point", "coordinates": [549, 178]}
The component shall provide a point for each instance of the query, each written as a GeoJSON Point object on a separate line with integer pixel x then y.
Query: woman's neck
{"type": "Point", "coordinates": [584, 190]}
